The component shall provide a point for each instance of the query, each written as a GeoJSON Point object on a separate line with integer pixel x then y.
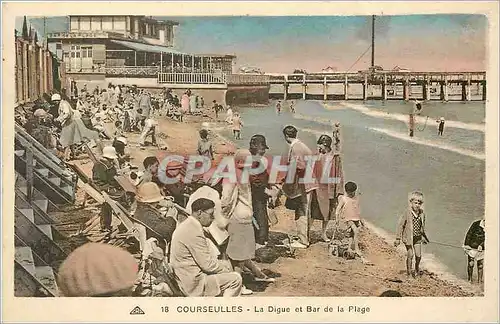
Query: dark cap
{"type": "Point", "coordinates": [258, 140]}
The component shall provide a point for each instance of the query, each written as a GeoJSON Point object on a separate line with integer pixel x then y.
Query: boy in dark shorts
{"type": "Point", "coordinates": [411, 230]}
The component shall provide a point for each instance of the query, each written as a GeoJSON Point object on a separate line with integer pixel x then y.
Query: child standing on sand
{"type": "Point", "coordinates": [348, 211]}
{"type": "Point", "coordinates": [411, 230]}
{"type": "Point", "coordinates": [237, 124]}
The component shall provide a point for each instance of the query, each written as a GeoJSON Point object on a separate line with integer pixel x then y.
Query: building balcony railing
{"type": "Point", "coordinates": [247, 79]}
{"type": "Point", "coordinates": [137, 71]}
{"type": "Point", "coordinates": [90, 34]}
{"type": "Point", "coordinates": [192, 78]}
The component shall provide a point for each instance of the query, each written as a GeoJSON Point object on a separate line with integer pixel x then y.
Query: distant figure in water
{"type": "Point", "coordinates": [292, 107]}
{"type": "Point", "coordinates": [440, 126]}
{"type": "Point", "coordinates": [278, 107]}
{"type": "Point", "coordinates": [336, 138]}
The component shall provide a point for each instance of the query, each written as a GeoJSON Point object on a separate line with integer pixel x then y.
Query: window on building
{"type": "Point", "coordinates": [84, 23]}
{"type": "Point", "coordinates": [86, 51]}
{"type": "Point", "coordinates": [107, 23]}
{"type": "Point", "coordinates": [74, 23]}
{"type": "Point", "coordinates": [95, 24]}
{"type": "Point", "coordinates": [119, 23]}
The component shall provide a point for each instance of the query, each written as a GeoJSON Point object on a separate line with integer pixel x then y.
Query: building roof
{"type": "Point", "coordinates": [146, 47]}
{"type": "Point", "coordinates": [160, 22]}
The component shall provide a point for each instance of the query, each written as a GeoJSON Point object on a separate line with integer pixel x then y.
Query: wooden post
{"type": "Point", "coordinates": [406, 89]}
{"type": "Point", "coordinates": [484, 90]}
{"type": "Point", "coordinates": [346, 88]}
{"type": "Point", "coordinates": [424, 89]}
{"type": "Point", "coordinates": [29, 172]}
{"type": "Point", "coordinates": [161, 62]}
{"type": "Point", "coordinates": [172, 63]}
{"type": "Point", "coordinates": [446, 88]}
{"type": "Point", "coordinates": [304, 86]}
{"type": "Point", "coordinates": [469, 86]}
{"type": "Point", "coordinates": [365, 88]}
{"type": "Point", "coordinates": [384, 88]}
{"type": "Point", "coordinates": [135, 58]}
{"type": "Point", "coordinates": [464, 91]}
{"type": "Point", "coordinates": [183, 63]}
{"type": "Point", "coordinates": [325, 89]}
{"type": "Point", "coordinates": [285, 88]}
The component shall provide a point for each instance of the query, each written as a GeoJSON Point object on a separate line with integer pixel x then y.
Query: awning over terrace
{"type": "Point", "coordinates": [141, 47]}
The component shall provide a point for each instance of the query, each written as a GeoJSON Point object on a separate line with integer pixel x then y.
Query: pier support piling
{"type": "Point", "coordinates": [304, 87]}
{"type": "Point", "coordinates": [325, 89]}
{"type": "Point", "coordinates": [365, 88]}
{"type": "Point", "coordinates": [446, 97]}
{"type": "Point", "coordinates": [464, 91]}
{"type": "Point", "coordinates": [346, 89]}
{"type": "Point", "coordinates": [406, 90]}
{"type": "Point", "coordinates": [384, 88]}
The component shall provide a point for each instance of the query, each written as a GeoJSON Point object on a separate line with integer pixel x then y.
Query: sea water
{"type": "Point", "coordinates": [387, 164]}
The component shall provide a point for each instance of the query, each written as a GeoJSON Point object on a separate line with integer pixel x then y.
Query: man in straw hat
{"type": "Point", "coordinates": [103, 175]}
{"type": "Point", "coordinates": [97, 270]}
{"type": "Point", "coordinates": [198, 270]}
{"type": "Point", "coordinates": [148, 199]}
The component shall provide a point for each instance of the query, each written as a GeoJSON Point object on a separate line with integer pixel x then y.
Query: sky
{"type": "Point", "coordinates": [311, 43]}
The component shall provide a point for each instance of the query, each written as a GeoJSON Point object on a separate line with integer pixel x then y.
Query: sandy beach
{"type": "Point", "coordinates": [311, 272]}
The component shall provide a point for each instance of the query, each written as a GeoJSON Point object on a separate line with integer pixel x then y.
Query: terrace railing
{"type": "Point", "coordinates": [247, 79]}
{"type": "Point", "coordinates": [192, 78]}
{"type": "Point", "coordinates": [136, 71]}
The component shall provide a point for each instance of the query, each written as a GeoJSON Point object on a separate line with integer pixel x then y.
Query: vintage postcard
{"type": "Point", "coordinates": [301, 160]}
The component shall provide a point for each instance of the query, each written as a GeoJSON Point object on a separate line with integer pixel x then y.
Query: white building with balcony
{"type": "Point", "coordinates": [133, 50]}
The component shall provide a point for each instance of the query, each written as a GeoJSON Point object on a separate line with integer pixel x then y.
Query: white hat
{"type": "Point", "coordinates": [122, 139]}
{"type": "Point", "coordinates": [204, 125]}
{"type": "Point", "coordinates": [55, 97]}
{"type": "Point", "coordinates": [109, 152]}
{"type": "Point", "coordinates": [40, 113]}
{"type": "Point", "coordinates": [149, 192]}
{"type": "Point", "coordinates": [442, 118]}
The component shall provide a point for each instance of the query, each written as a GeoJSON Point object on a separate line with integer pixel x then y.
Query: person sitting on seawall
{"type": "Point", "coordinates": [474, 248]}
{"type": "Point", "coordinates": [199, 272]}
{"type": "Point", "coordinates": [411, 230]}
{"type": "Point", "coordinates": [103, 175]}
{"type": "Point", "coordinates": [97, 270]}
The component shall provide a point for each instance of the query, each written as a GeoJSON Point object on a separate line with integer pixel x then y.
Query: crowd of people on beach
{"type": "Point", "coordinates": [209, 247]}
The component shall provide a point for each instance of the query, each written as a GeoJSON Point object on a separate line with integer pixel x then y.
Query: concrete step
{"type": "Point", "coordinates": [24, 189]}
{"type": "Point", "coordinates": [44, 172]}
{"type": "Point", "coordinates": [46, 276]}
{"type": "Point", "coordinates": [47, 229]}
{"type": "Point", "coordinates": [43, 204]}
{"type": "Point", "coordinates": [28, 212]}
{"type": "Point", "coordinates": [67, 189]}
{"type": "Point", "coordinates": [24, 256]}
{"type": "Point", "coordinates": [55, 180]}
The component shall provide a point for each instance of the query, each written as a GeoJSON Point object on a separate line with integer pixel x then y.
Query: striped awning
{"type": "Point", "coordinates": [147, 47]}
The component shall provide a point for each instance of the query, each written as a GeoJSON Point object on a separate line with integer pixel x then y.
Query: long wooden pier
{"type": "Point", "coordinates": [380, 85]}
